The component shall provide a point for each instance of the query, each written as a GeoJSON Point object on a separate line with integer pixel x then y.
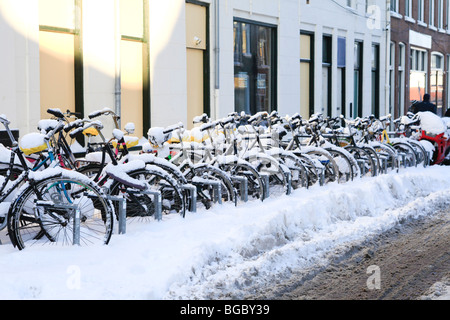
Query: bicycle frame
{"type": "Point", "coordinates": [441, 144]}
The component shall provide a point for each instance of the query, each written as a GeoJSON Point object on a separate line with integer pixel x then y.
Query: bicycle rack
{"type": "Point", "coordinates": [122, 212]}
{"type": "Point", "coordinates": [265, 178]}
{"type": "Point", "coordinates": [217, 188]}
{"type": "Point", "coordinates": [192, 190]}
{"type": "Point", "coordinates": [322, 176]}
{"type": "Point", "coordinates": [157, 200]}
{"type": "Point", "coordinates": [76, 218]}
{"type": "Point", "coordinates": [384, 159]}
{"type": "Point", "coordinates": [122, 215]}
{"type": "Point", "coordinates": [243, 187]}
{"type": "Point", "coordinates": [362, 167]}
{"type": "Point", "coordinates": [403, 158]}
{"type": "Point", "coordinates": [288, 176]}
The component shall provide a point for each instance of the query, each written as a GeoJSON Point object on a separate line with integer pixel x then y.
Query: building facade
{"type": "Point", "coordinates": [157, 63]}
{"type": "Point", "coordinates": [343, 57]}
{"type": "Point", "coordinates": [420, 53]}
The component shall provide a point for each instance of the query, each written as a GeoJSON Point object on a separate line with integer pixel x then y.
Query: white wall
{"type": "Point", "coordinates": [19, 79]}
{"type": "Point", "coordinates": [19, 64]}
{"type": "Point", "coordinates": [327, 17]}
{"type": "Point", "coordinates": [284, 15]}
{"type": "Point", "coordinates": [168, 62]}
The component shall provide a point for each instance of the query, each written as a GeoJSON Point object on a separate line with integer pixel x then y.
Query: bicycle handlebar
{"type": "Point", "coordinates": [56, 112]}
{"type": "Point", "coordinates": [4, 120]}
{"type": "Point", "coordinates": [97, 124]}
{"type": "Point", "coordinates": [172, 128]}
{"type": "Point", "coordinates": [105, 111]}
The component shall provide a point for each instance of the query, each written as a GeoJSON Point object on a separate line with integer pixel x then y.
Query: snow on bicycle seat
{"type": "Point", "coordinates": [432, 123]}
{"type": "Point", "coordinates": [33, 143]}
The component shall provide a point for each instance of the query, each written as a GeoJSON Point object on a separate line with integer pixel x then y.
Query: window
{"type": "Point", "coordinates": [437, 81]}
{"type": "Point", "coordinates": [341, 64]}
{"type": "Point", "coordinates": [356, 111]}
{"type": "Point", "coordinates": [448, 82]}
{"type": "Point", "coordinates": [420, 12]}
{"type": "Point", "coordinates": [326, 75]}
{"type": "Point", "coordinates": [60, 55]}
{"type": "Point", "coordinates": [447, 15]}
{"type": "Point", "coordinates": [391, 77]}
{"type": "Point", "coordinates": [418, 74]}
{"type": "Point", "coordinates": [408, 8]}
{"type": "Point", "coordinates": [440, 17]}
{"type": "Point", "coordinates": [306, 74]}
{"type": "Point", "coordinates": [369, 3]}
{"type": "Point", "coordinates": [394, 5]}
{"type": "Point", "coordinates": [134, 69]}
{"type": "Point", "coordinates": [376, 80]}
{"type": "Point", "coordinates": [401, 78]}
{"type": "Point", "coordinates": [254, 66]}
{"type": "Point", "coordinates": [431, 13]}
{"type": "Point", "coordinates": [351, 4]}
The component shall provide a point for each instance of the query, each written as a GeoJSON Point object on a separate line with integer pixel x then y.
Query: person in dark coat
{"type": "Point", "coordinates": [447, 114]}
{"type": "Point", "coordinates": [425, 105]}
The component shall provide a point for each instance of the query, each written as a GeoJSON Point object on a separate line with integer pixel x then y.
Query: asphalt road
{"type": "Point", "coordinates": [400, 264]}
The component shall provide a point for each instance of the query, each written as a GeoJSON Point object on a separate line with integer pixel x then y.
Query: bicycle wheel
{"type": "Point", "coordinates": [345, 162]}
{"type": "Point", "coordinates": [267, 165]}
{"type": "Point", "coordinates": [51, 220]}
{"type": "Point", "coordinates": [330, 171]}
{"type": "Point", "coordinates": [255, 186]}
{"type": "Point", "coordinates": [387, 154]}
{"type": "Point", "coordinates": [421, 154]}
{"type": "Point", "coordinates": [312, 167]}
{"type": "Point", "coordinates": [365, 160]}
{"type": "Point", "coordinates": [203, 176]}
{"type": "Point", "coordinates": [407, 154]}
{"type": "Point", "coordinates": [299, 172]}
{"type": "Point", "coordinates": [141, 206]}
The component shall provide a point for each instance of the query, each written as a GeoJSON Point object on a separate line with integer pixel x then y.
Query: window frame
{"type": "Point", "coordinates": [274, 60]}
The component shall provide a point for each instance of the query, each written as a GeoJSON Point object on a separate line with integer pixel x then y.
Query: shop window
{"type": "Point", "coordinates": [254, 66]}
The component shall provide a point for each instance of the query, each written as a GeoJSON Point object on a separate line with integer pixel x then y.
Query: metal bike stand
{"type": "Point", "coordinates": [243, 187]}
{"type": "Point", "coordinates": [157, 200]}
{"type": "Point", "coordinates": [403, 157]}
{"type": "Point", "coordinates": [265, 178]}
{"type": "Point", "coordinates": [217, 189]}
{"type": "Point", "coordinates": [384, 162]}
{"type": "Point", "coordinates": [192, 191]}
{"type": "Point", "coordinates": [122, 216]}
{"type": "Point", "coordinates": [76, 218]}
{"type": "Point", "coordinates": [322, 177]}
{"type": "Point", "coordinates": [362, 166]}
{"type": "Point", "coordinates": [288, 176]}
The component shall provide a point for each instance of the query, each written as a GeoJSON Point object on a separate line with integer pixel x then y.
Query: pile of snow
{"type": "Point", "coordinates": [432, 123]}
{"type": "Point", "coordinates": [439, 291]}
{"type": "Point", "coordinates": [227, 249]}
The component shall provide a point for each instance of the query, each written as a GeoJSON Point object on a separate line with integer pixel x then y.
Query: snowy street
{"type": "Point", "coordinates": [227, 252]}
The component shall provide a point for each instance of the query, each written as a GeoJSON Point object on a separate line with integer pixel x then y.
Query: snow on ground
{"type": "Point", "coordinates": [222, 251]}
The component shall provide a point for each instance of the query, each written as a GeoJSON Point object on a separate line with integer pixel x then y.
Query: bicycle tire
{"type": "Point", "coordinates": [404, 147]}
{"type": "Point", "coordinates": [255, 184]}
{"type": "Point", "coordinates": [140, 206]}
{"type": "Point", "coordinates": [345, 164]}
{"type": "Point", "coordinates": [205, 191]}
{"type": "Point", "coordinates": [31, 224]}
{"type": "Point", "coordinates": [363, 154]}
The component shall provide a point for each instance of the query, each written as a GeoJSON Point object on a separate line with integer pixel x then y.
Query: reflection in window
{"type": "Point", "coordinates": [254, 73]}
